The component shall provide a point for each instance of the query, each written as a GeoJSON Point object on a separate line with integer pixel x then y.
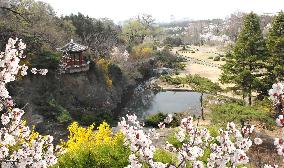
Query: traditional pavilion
{"type": "Point", "coordinates": [73, 58]}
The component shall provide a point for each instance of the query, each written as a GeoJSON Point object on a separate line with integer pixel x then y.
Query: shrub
{"type": "Point", "coordinates": [142, 51]}
{"type": "Point", "coordinates": [155, 119]}
{"type": "Point", "coordinates": [87, 148]}
{"type": "Point", "coordinates": [62, 115]}
{"type": "Point", "coordinates": [217, 58]}
{"type": "Point", "coordinates": [233, 112]}
{"type": "Point", "coordinates": [164, 156]}
{"type": "Point", "coordinates": [103, 66]}
{"type": "Point", "coordinates": [115, 73]}
{"type": "Point", "coordinates": [46, 59]}
{"type": "Point", "coordinates": [166, 59]}
{"type": "Point", "coordinates": [173, 41]}
{"type": "Point", "coordinates": [210, 57]}
{"type": "Point", "coordinates": [172, 139]}
{"type": "Point", "coordinates": [197, 82]}
{"type": "Point", "coordinates": [223, 59]}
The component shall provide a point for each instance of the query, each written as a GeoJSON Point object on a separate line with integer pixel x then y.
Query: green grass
{"type": "Point", "coordinates": [233, 112]}
{"type": "Point", "coordinates": [164, 156]}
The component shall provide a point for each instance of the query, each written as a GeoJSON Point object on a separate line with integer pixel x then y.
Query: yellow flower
{"type": "Point", "coordinates": [88, 138]}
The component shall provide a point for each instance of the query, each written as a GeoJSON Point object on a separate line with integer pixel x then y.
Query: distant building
{"type": "Point", "coordinates": [73, 59]}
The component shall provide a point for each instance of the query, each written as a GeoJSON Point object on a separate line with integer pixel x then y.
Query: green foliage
{"type": "Point", "coordinates": [210, 57]}
{"type": "Point", "coordinates": [232, 112]}
{"type": "Point", "coordinates": [38, 26]}
{"type": "Point", "coordinates": [172, 139]}
{"type": "Point", "coordinates": [223, 59]}
{"type": "Point", "coordinates": [275, 45]}
{"type": "Point", "coordinates": [100, 35]}
{"type": "Point", "coordinates": [46, 59]}
{"type": "Point", "coordinates": [88, 119]}
{"type": "Point", "coordinates": [166, 59]}
{"type": "Point", "coordinates": [155, 119]}
{"type": "Point", "coordinates": [103, 66]}
{"type": "Point", "coordinates": [142, 51]}
{"type": "Point", "coordinates": [173, 42]}
{"type": "Point", "coordinates": [165, 156]}
{"type": "Point", "coordinates": [115, 73]}
{"type": "Point", "coordinates": [97, 116]}
{"type": "Point", "coordinates": [198, 83]}
{"type": "Point", "coordinates": [214, 130]}
{"type": "Point", "coordinates": [108, 156]}
{"type": "Point", "coordinates": [62, 115]}
{"type": "Point", "coordinates": [134, 31]}
{"type": "Point", "coordinates": [86, 148]}
{"type": "Point", "coordinates": [246, 58]}
{"type": "Point", "coordinates": [217, 58]}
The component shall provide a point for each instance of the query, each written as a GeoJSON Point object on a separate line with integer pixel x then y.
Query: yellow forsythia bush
{"type": "Point", "coordinates": [89, 148]}
{"type": "Point", "coordinates": [141, 52]}
{"type": "Point", "coordinates": [104, 64]}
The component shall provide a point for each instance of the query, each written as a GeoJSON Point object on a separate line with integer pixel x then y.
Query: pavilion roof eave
{"type": "Point", "coordinates": [72, 47]}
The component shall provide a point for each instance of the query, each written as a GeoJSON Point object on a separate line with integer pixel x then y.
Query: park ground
{"type": "Point", "coordinates": [200, 64]}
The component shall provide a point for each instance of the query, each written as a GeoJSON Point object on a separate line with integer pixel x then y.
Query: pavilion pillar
{"type": "Point", "coordinates": [81, 58]}
{"type": "Point", "coordinates": [74, 59]}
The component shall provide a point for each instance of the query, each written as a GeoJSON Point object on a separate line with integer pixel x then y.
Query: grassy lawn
{"type": "Point", "coordinates": [203, 53]}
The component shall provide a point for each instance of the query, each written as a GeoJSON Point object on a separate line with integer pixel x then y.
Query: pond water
{"type": "Point", "coordinates": [175, 102]}
{"type": "Point", "coordinates": [147, 102]}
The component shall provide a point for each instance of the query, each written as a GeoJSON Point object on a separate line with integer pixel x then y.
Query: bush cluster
{"type": "Point", "coordinates": [197, 82]}
{"type": "Point", "coordinates": [221, 114]}
{"type": "Point", "coordinates": [155, 119]}
{"type": "Point", "coordinates": [89, 148]}
{"type": "Point", "coordinates": [104, 65]}
{"type": "Point", "coordinates": [217, 58]}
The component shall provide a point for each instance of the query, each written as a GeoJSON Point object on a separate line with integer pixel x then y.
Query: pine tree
{"type": "Point", "coordinates": [245, 60]}
{"type": "Point", "coordinates": [275, 45]}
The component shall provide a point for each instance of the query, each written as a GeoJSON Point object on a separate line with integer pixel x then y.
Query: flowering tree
{"type": "Point", "coordinates": [19, 146]}
{"type": "Point", "coordinates": [276, 95]}
{"type": "Point", "coordinates": [142, 149]}
{"type": "Point", "coordinates": [228, 149]}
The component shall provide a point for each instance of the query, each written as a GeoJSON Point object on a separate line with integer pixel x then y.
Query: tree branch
{"type": "Point", "coordinates": [15, 12]}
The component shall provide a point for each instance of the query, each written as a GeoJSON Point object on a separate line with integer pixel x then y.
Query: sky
{"type": "Point", "coordinates": [164, 10]}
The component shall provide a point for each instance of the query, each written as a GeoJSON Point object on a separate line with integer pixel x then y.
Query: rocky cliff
{"type": "Point", "coordinates": [51, 102]}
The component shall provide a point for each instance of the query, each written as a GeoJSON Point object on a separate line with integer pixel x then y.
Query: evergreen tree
{"type": "Point", "coordinates": [275, 45]}
{"type": "Point", "coordinates": [245, 61]}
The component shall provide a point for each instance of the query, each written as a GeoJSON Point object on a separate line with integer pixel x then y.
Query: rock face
{"type": "Point", "coordinates": [53, 101]}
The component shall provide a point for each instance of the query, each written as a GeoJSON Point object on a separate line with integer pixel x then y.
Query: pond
{"type": "Point", "coordinates": [147, 102]}
{"type": "Point", "coordinates": [175, 102]}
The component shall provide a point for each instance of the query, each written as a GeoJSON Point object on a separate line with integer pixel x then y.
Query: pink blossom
{"type": "Point", "coordinates": [257, 141]}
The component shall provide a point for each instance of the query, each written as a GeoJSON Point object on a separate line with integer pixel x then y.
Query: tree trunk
{"type": "Point", "coordinates": [201, 106]}
{"type": "Point", "coordinates": [249, 98]}
{"type": "Point", "coordinates": [244, 97]}
{"type": "Point", "coordinates": [250, 102]}
{"type": "Point", "coordinates": [249, 95]}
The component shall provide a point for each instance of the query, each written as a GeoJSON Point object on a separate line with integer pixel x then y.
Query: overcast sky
{"type": "Point", "coordinates": [164, 10]}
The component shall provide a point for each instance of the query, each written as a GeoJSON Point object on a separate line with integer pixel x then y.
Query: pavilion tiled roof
{"type": "Point", "coordinates": [72, 47]}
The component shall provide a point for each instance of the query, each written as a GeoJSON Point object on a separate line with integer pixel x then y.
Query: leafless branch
{"type": "Point", "coordinates": [15, 12]}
